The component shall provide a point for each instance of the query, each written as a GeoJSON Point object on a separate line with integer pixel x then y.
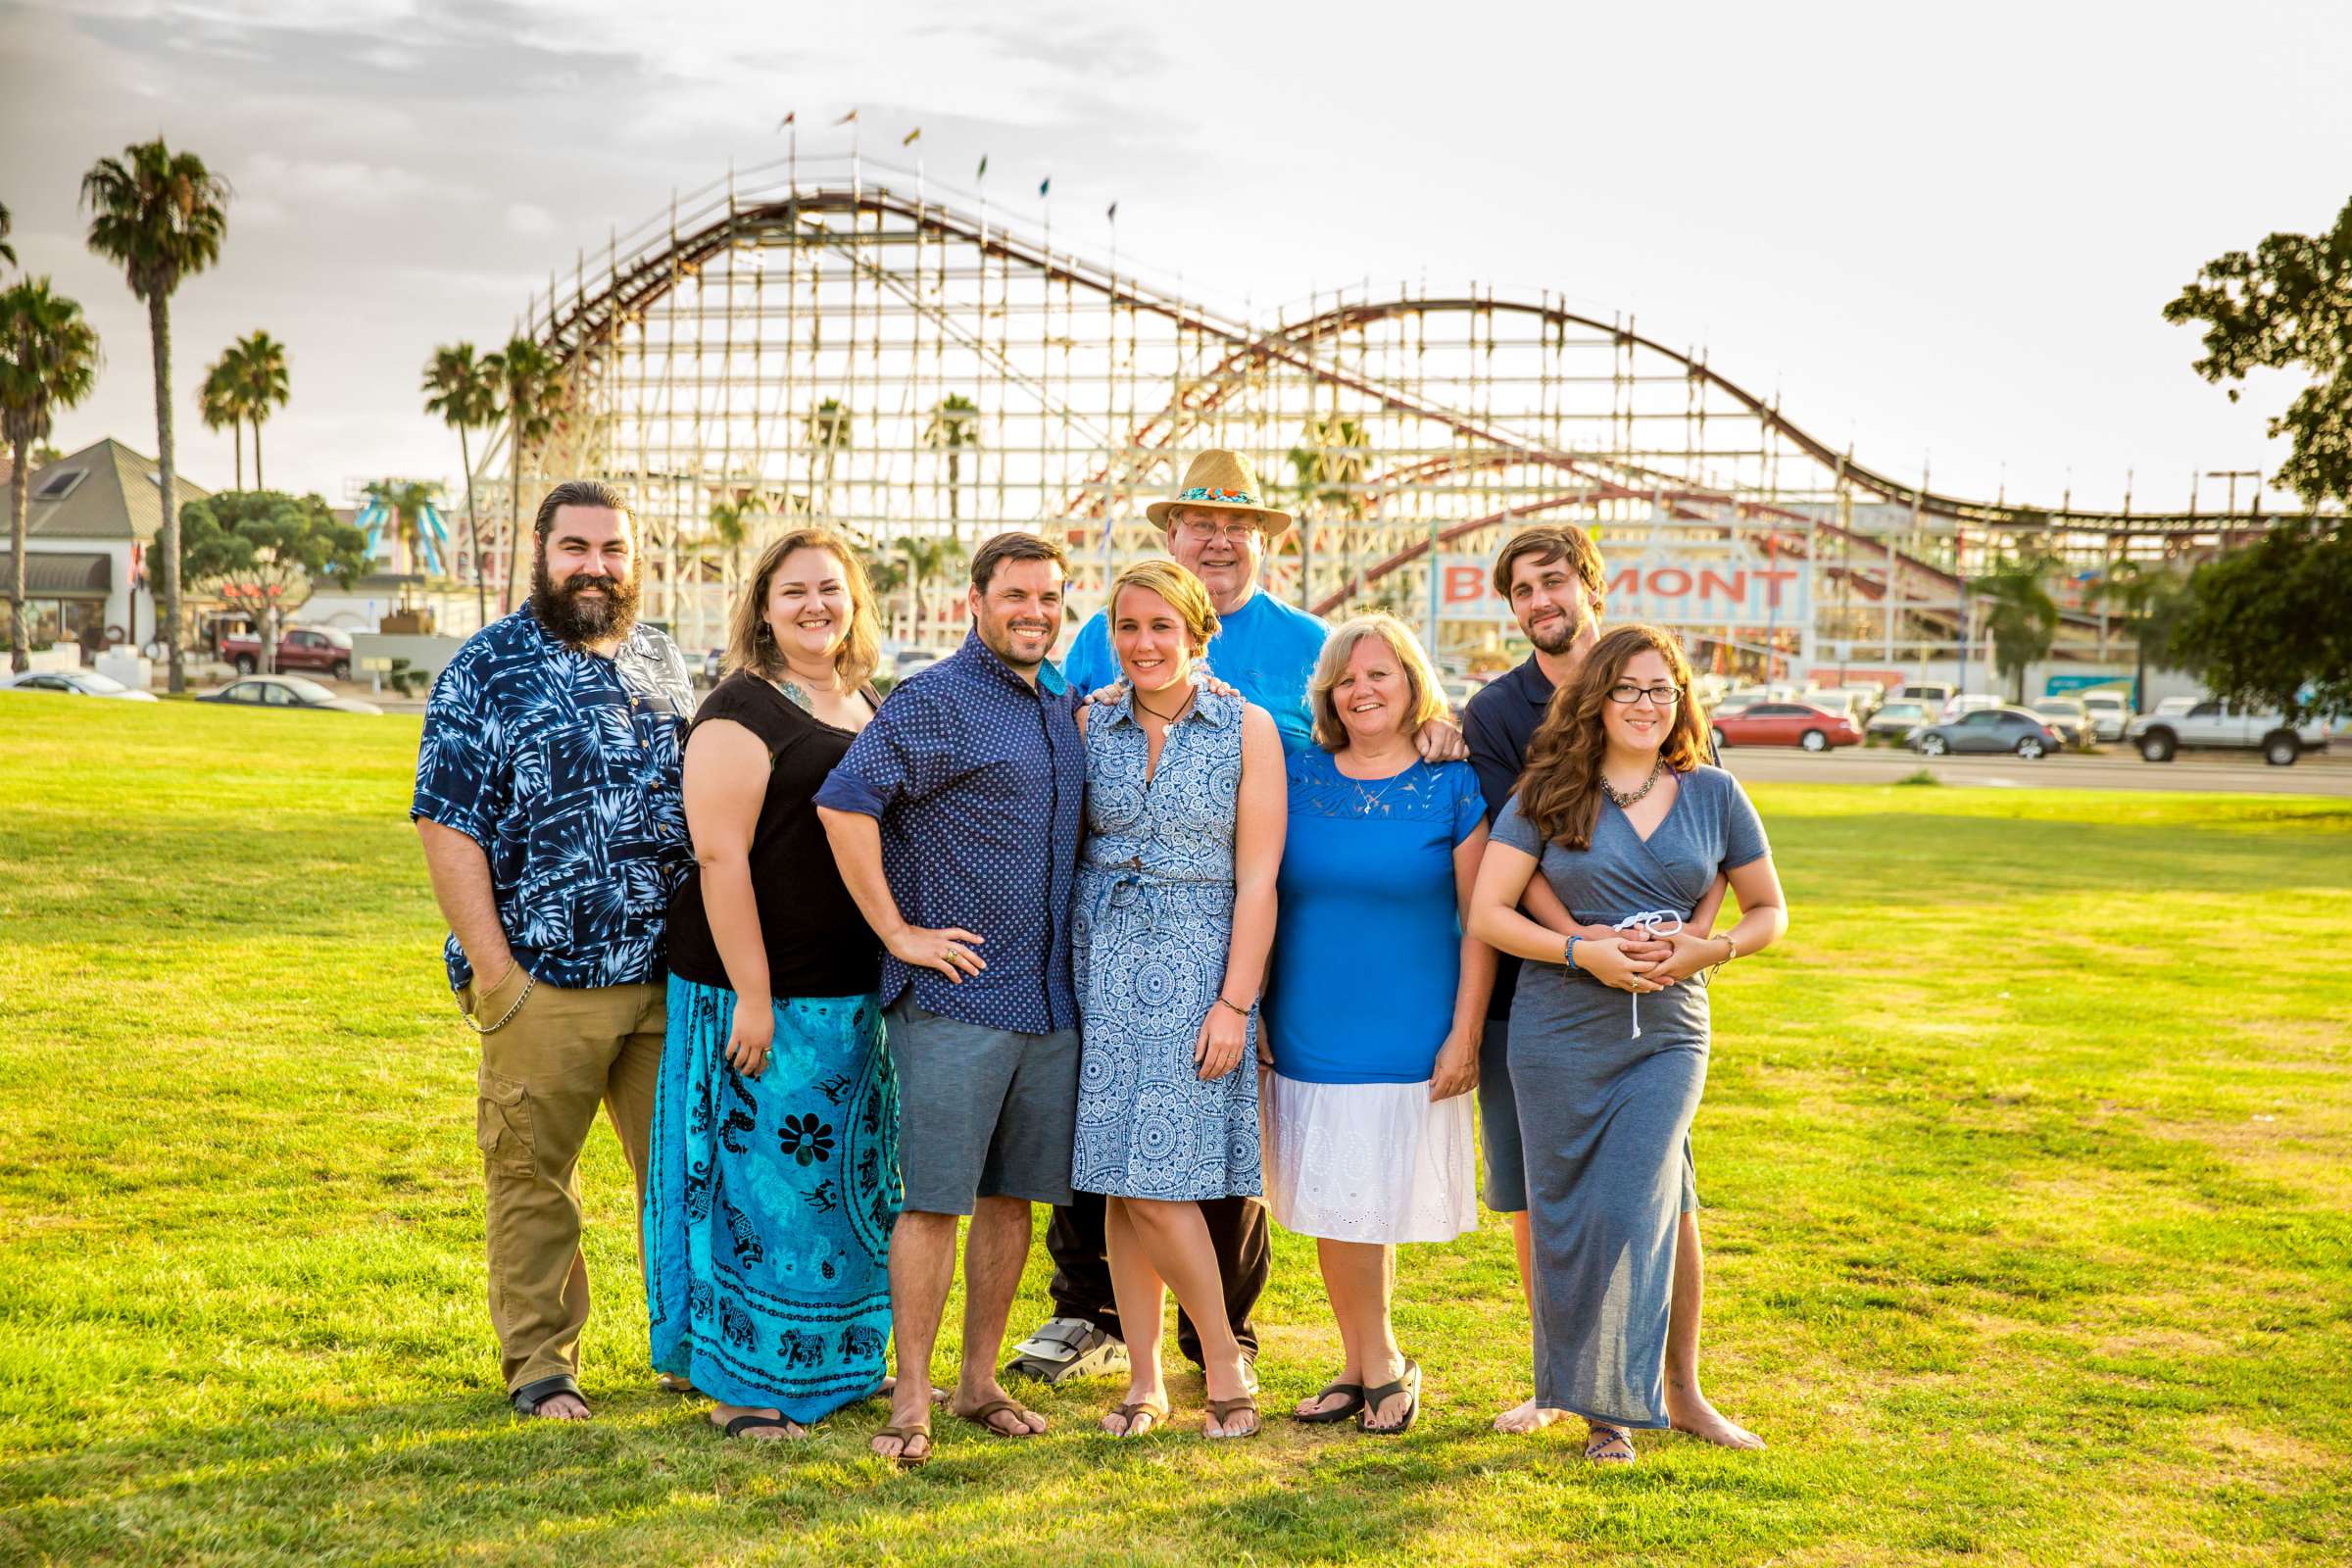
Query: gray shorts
{"type": "Point", "coordinates": [982, 1113]}
{"type": "Point", "coordinates": [1499, 1130]}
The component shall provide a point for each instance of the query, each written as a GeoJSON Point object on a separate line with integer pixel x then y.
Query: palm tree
{"type": "Point", "coordinates": [926, 559]}
{"type": "Point", "coordinates": [528, 395]}
{"type": "Point", "coordinates": [261, 361]}
{"type": "Point", "coordinates": [2020, 613]}
{"type": "Point", "coordinates": [2152, 597]}
{"type": "Point", "coordinates": [8, 252]}
{"type": "Point", "coordinates": [406, 501]}
{"type": "Point", "coordinates": [222, 406]}
{"type": "Point", "coordinates": [162, 216]}
{"type": "Point", "coordinates": [955, 427]}
{"type": "Point", "coordinates": [731, 525]}
{"type": "Point", "coordinates": [48, 360]}
{"type": "Point", "coordinates": [465, 393]}
{"type": "Point", "coordinates": [828, 438]}
{"type": "Point", "coordinates": [1328, 470]}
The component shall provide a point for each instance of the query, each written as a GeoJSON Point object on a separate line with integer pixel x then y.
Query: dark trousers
{"type": "Point", "coordinates": [1236, 1229]}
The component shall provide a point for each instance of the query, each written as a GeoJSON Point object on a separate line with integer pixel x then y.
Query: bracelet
{"type": "Point", "coordinates": [1730, 941]}
{"type": "Point", "coordinates": [1244, 1012]}
{"type": "Point", "coordinates": [528, 981]}
{"type": "Point", "coordinates": [1572, 942]}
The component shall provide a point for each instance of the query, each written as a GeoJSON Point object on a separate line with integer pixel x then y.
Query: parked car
{"type": "Point", "coordinates": [285, 691]}
{"type": "Point", "coordinates": [1805, 725]}
{"type": "Point", "coordinates": [911, 660]}
{"type": "Point", "coordinates": [715, 664]}
{"type": "Point", "coordinates": [2069, 717]}
{"type": "Point", "coordinates": [2109, 710]}
{"type": "Point", "coordinates": [2218, 726]}
{"type": "Point", "coordinates": [1969, 703]}
{"type": "Point", "coordinates": [325, 649]}
{"type": "Point", "coordinates": [1990, 729]}
{"type": "Point", "coordinates": [1934, 692]}
{"type": "Point", "coordinates": [73, 683]}
{"type": "Point", "coordinates": [1900, 717]}
{"type": "Point", "coordinates": [1863, 700]}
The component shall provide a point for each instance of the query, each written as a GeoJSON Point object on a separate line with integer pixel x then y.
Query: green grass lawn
{"type": "Point", "coordinates": [2027, 1158]}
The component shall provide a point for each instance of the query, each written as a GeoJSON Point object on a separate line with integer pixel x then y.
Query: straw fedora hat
{"type": "Point", "coordinates": [1222, 482]}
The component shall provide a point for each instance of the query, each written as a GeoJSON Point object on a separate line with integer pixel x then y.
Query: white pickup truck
{"type": "Point", "coordinates": [2210, 724]}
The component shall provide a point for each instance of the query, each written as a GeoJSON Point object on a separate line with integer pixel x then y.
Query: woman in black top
{"type": "Point", "coordinates": [775, 1128]}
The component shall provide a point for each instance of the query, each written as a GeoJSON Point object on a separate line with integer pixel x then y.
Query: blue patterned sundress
{"type": "Point", "coordinates": [1154, 920]}
{"type": "Point", "coordinates": [769, 1208]}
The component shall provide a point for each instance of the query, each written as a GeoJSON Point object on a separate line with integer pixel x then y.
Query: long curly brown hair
{"type": "Point", "coordinates": [1559, 790]}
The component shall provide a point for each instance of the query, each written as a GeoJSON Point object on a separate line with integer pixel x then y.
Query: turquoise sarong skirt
{"type": "Point", "coordinates": [770, 1203]}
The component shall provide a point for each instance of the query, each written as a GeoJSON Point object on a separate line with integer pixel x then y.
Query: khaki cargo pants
{"type": "Point", "coordinates": [544, 1072]}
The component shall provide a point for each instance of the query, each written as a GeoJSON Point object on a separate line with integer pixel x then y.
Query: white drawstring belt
{"type": "Point", "coordinates": [1650, 923]}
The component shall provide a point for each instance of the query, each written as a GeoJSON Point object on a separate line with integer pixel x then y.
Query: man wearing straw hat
{"type": "Point", "coordinates": [1219, 527]}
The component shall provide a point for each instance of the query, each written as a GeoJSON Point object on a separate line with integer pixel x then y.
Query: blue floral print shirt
{"type": "Point", "coordinates": [566, 768]}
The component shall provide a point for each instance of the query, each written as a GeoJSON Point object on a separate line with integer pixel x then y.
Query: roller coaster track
{"type": "Point", "coordinates": [577, 328]}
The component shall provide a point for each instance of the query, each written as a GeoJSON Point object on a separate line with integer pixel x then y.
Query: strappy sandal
{"type": "Point", "coordinates": [1602, 1442]}
{"type": "Point", "coordinates": [1342, 1413]}
{"type": "Point", "coordinates": [1224, 1411]}
{"type": "Point", "coordinates": [527, 1400]}
{"type": "Point", "coordinates": [754, 1422]}
{"type": "Point", "coordinates": [1157, 1409]}
{"type": "Point", "coordinates": [1407, 1382]}
{"type": "Point", "coordinates": [906, 1435]}
{"type": "Point", "coordinates": [980, 1418]}
{"type": "Point", "coordinates": [670, 1382]}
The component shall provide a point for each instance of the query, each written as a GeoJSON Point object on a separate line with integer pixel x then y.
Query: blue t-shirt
{"type": "Point", "coordinates": [1266, 649]}
{"type": "Point", "coordinates": [1367, 955]}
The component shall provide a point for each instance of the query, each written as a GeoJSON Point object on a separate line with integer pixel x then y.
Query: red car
{"type": "Point", "coordinates": [313, 648]}
{"type": "Point", "coordinates": [1816, 729]}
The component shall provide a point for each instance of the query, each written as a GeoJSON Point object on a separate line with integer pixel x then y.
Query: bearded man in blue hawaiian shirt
{"type": "Point", "coordinates": [547, 802]}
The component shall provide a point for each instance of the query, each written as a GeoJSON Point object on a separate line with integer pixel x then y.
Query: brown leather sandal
{"type": "Point", "coordinates": [906, 1435]}
{"type": "Point", "coordinates": [980, 1418]}
{"type": "Point", "coordinates": [1224, 1411]}
{"type": "Point", "coordinates": [1157, 1409]}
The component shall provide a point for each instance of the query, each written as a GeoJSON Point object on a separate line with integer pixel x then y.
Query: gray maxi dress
{"type": "Point", "coordinates": [1603, 1114]}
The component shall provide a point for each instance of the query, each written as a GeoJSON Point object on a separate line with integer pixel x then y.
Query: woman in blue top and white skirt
{"type": "Point", "coordinates": [1377, 1004]}
{"type": "Point", "coordinates": [1630, 829]}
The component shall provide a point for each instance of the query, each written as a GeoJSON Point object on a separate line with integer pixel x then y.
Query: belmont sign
{"type": "Point", "coordinates": [1706, 583]}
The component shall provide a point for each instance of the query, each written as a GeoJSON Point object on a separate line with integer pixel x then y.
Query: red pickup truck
{"type": "Point", "coordinates": [319, 648]}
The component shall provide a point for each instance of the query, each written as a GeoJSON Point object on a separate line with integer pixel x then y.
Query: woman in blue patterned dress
{"type": "Point", "coordinates": [776, 1179]}
{"type": "Point", "coordinates": [1184, 816]}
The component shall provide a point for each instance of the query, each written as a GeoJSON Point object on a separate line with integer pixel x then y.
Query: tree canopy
{"type": "Point", "coordinates": [264, 550]}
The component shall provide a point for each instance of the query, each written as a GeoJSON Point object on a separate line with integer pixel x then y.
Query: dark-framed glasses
{"type": "Point", "coordinates": [1626, 693]}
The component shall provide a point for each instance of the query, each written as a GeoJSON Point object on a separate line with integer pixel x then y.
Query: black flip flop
{"type": "Point", "coordinates": [1343, 1412]}
{"type": "Point", "coordinates": [527, 1400]}
{"type": "Point", "coordinates": [1410, 1379]}
{"type": "Point", "coordinates": [759, 1423]}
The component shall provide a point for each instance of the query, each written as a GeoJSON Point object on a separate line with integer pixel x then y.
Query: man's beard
{"type": "Point", "coordinates": [570, 618]}
{"type": "Point", "coordinates": [1557, 636]}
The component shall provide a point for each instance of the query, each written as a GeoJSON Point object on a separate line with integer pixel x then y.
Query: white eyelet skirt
{"type": "Point", "coordinates": [1369, 1162]}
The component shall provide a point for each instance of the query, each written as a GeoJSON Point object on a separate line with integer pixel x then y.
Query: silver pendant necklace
{"type": "Point", "coordinates": [1657, 770]}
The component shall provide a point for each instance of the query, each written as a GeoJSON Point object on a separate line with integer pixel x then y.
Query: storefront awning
{"type": "Point", "coordinates": [59, 573]}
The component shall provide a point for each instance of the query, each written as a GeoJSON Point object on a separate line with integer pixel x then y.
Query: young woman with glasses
{"type": "Point", "coordinates": [1629, 828]}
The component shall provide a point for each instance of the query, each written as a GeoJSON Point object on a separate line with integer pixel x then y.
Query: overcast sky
{"type": "Point", "coordinates": [1932, 230]}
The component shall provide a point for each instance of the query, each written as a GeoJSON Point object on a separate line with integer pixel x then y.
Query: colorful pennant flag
{"type": "Point", "coordinates": [911, 138]}
{"type": "Point", "coordinates": [788, 119]}
{"type": "Point", "coordinates": [846, 118]}
{"type": "Point", "coordinates": [1044, 185]}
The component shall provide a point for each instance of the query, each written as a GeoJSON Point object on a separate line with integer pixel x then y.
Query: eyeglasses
{"type": "Point", "coordinates": [1231, 532]}
{"type": "Point", "coordinates": [1628, 693]}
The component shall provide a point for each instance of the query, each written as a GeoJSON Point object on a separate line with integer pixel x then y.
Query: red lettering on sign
{"type": "Point", "coordinates": [1772, 584]}
{"type": "Point", "coordinates": [1464, 585]}
{"type": "Point", "coordinates": [1734, 587]}
{"type": "Point", "coordinates": [1681, 582]}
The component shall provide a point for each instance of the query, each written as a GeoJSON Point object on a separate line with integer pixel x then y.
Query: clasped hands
{"type": "Point", "coordinates": [1639, 963]}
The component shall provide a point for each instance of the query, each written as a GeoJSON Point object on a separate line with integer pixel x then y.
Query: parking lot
{"type": "Point", "coordinates": [2113, 768]}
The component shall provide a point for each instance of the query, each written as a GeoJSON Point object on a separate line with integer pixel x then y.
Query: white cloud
{"type": "Point", "coordinates": [340, 182]}
{"type": "Point", "coordinates": [522, 218]}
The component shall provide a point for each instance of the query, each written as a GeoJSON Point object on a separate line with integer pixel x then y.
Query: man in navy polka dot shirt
{"type": "Point", "coordinates": [956, 818]}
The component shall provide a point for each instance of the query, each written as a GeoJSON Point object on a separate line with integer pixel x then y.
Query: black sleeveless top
{"type": "Point", "coordinates": [818, 942]}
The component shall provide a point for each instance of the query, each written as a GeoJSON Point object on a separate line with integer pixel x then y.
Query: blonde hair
{"type": "Point", "coordinates": [1180, 588]}
{"type": "Point", "coordinates": [751, 646]}
{"type": "Point", "coordinates": [1428, 698]}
